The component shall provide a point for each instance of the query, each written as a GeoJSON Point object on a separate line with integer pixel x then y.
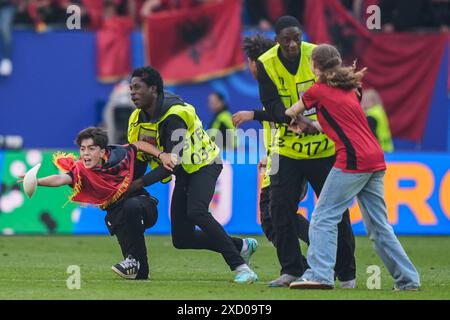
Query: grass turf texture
{"type": "Point", "coordinates": [34, 267]}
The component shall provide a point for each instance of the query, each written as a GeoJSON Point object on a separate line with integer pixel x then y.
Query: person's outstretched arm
{"type": "Point", "coordinates": [244, 116]}
{"type": "Point", "coordinates": [56, 180]}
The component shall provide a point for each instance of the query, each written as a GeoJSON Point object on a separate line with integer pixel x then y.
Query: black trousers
{"type": "Point", "coordinates": [267, 223]}
{"type": "Point", "coordinates": [128, 221]}
{"type": "Point", "coordinates": [285, 190]}
{"type": "Point", "coordinates": [190, 208]}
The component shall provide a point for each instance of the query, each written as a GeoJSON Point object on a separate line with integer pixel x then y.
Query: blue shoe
{"type": "Point", "coordinates": [252, 245]}
{"type": "Point", "coordinates": [245, 276]}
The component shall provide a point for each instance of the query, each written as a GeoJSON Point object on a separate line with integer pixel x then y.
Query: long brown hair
{"type": "Point", "coordinates": [327, 59]}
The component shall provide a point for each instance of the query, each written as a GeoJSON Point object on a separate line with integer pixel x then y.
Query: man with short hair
{"type": "Point", "coordinates": [284, 74]}
{"type": "Point", "coordinates": [172, 125]}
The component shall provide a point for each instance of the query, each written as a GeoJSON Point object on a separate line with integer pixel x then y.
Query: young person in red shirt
{"type": "Point", "coordinates": [358, 172]}
{"type": "Point", "coordinates": [102, 176]}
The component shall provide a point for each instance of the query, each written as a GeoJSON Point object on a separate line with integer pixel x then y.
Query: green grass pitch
{"type": "Point", "coordinates": [35, 267]}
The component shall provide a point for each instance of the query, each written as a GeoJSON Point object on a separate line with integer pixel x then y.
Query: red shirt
{"type": "Point", "coordinates": [343, 121]}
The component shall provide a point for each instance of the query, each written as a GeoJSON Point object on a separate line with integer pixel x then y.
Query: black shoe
{"type": "Point", "coordinates": [128, 268]}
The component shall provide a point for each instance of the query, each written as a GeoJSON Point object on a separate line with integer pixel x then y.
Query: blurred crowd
{"type": "Point", "coordinates": [396, 16]}
{"type": "Point", "coordinates": [40, 13]}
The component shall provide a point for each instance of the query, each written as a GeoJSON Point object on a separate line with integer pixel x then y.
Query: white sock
{"type": "Point", "coordinates": [244, 246]}
{"type": "Point", "coordinates": [243, 267]}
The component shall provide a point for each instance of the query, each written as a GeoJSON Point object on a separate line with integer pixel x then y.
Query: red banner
{"type": "Point", "coordinates": [114, 49]}
{"type": "Point", "coordinates": [195, 44]}
{"type": "Point", "coordinates": [402, 67]}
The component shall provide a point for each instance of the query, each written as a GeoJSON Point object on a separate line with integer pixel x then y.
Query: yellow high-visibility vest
{"type": "Point", "coordinates": [290, 89]}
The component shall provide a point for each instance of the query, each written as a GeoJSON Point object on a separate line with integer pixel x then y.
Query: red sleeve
{"type": "Point", "coordinates": [310, 98]}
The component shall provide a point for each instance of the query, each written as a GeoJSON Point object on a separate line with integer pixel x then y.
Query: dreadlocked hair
{"type": "Point", "coordinates": [256, 45]}
{"type": "Point", "coordinates": [327, 59]}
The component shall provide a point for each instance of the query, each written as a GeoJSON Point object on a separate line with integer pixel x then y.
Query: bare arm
{"type": "Point", "coordinates": [168, 160]}
{"type": "Point", "coordinates": [295, 110]}
{"type": "Point", "coordinates": [299, 122]}
{"type": "Point", "coordinates": [241, 117]}
{"type": "Point", "coordinates": [55, 180]}
{"type": "Point", "coordinates": [147, 148]}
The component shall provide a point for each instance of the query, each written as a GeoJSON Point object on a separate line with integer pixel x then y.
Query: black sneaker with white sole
{"type": "Point", "coordinates": [128, 268]}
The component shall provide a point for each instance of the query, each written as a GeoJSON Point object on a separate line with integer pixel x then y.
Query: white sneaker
{"type": "Point", "coordinates": [5, 67]}
{"type": "Point", "coordinates": [350, 284]}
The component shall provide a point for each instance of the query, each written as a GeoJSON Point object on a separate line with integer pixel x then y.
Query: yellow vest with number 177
{"type": "Point", "coordinates": [290, 89]}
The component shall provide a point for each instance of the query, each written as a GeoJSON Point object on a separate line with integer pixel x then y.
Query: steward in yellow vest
{"type": "Point", "coordinates": [284, 74]}
{"type": "Point", "coordinates": [378, 122]}
{"type": "Point", "coordinates": [254, 47]}
{"type": "Point", "coordinates": [376, 117]}
{"type": "Point", "coordinates": [221, 128]}
{"type": "Point", "coordinates": [197, 148]}
{"type": "Point", "coordinates": [172, 125]}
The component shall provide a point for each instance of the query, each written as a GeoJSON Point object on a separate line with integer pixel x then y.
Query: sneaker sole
{"type": "Point", "coordinates": [318, 286]}
{"type": "Point", "coordinates": [125, 276]}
